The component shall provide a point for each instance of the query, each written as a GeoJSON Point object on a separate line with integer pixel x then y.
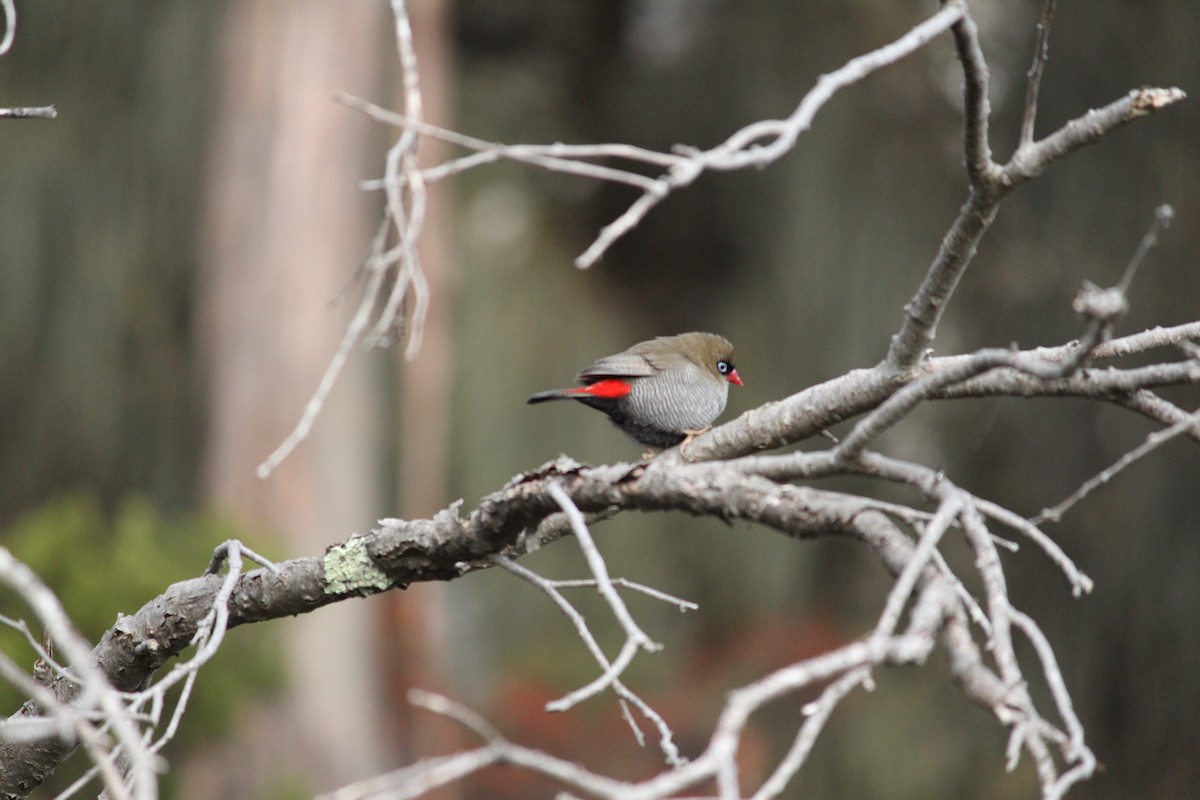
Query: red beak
{"type": "Point", "coordinates": [734, 378]}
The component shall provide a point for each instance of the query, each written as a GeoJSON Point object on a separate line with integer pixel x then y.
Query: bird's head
{"type": "Point", "coordinates": [711, 352]}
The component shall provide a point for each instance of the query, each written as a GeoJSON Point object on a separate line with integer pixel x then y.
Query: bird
{"type": "Point", "coordinates": [660, 392]}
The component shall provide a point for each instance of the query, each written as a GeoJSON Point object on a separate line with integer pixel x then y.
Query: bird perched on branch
{"type": "Point", "coordinates": [660, 392]}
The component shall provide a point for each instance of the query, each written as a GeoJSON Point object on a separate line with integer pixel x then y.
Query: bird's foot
{"type": "Point", "coordinates": [687, 439]}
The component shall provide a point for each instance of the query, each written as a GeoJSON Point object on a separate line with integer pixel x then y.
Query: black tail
{"type": "Point", "coordinates": [553, 394]}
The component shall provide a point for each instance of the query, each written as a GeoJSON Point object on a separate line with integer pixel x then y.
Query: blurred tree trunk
{"type": "Point", "coordinates": [286, 227]}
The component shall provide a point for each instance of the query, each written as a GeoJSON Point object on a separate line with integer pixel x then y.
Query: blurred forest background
{"type": "Point", "coordinates": [172, 246]}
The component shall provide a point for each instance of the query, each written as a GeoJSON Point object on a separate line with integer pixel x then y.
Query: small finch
{"type": "Point", "coordinates": [660, 392]}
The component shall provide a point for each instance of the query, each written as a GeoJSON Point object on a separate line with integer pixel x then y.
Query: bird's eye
{"type": "Point", "coordinates": [723, 367]}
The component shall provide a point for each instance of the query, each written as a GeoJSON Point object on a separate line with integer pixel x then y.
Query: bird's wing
{"type": "Point", "coordinates": [621, 365]}
{"type": "Point", "coordinates": [659, 360]}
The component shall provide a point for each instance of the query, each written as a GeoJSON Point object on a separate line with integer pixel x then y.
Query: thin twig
{"type": "Point", "coordinates": [1041, 53]}
{"type": "Point", "coordinates": [649, 591]}
{"type": "Point", "coordinates": [974, 610]}
{"type": "Point", "coordinates": [889, 618]}
{"type": "Point", "coordinates": [600, 570]}
{"type": "Point", "coordinates": [611, 675]}
{"type": "Point", "coordinates": [1103, 307]}
{"type": "Point", "coordinates": [354, 329]}
{"type": "Point", "coordinates": [1147, 340]}
{"type": "Point", "coordinates": [1162, 219]}
{"type": "Point", "coordinates": [1054, 679]}
{"type": "Point", "coordinates": [401, 177]}
{"type": "Point", "coordinates": [1080, 582]}
{"type": "Point", "coordinates": [440, 704]}
{"type": "Point", "coordinates": [29, 112]}
{"type": "Point", "coordinates": [1153, 441]}
{"type": "Point", "coordinates": [418, 779]}
{"type": "Point", "coordinates": [431, 773]}
{"type": "Point", "coordinates": [1029, 162]}
{"type": "Point", "coordinates": [565, 158]}
{"type": "Point", "coordinates": [400, 181]}
{"type": "Point", "coordinates": [901, 403]}
{"type": "Point", "coordinates": [743, 149]}
{"type": "Point", "coordinates": [816, 714]}
{"type": "Point", "coordinates": [10, 25]}
{"type": "Point", "coordinates": [223, 551]}
{"type": "Point", "coordinates": [1075, 751]}
{"type": "Point", "coordinates": [1018, 710]}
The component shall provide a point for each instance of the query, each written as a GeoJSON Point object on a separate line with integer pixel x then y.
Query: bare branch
{"type": "Point", "coordinates": [989, 184]}
{"type": "Point", "coordinates": [1101, 307]}
{"type": "Point", "coordinates": [9, 9]}
{"type": "Point", "coordinates": [599, 569]}
{"type": "Point", "coordinates": [456, 711]}
{"type": "Point", "coordinates": [649, 591]}
{"type": "Point", "coordinates": [404, 188]}
{"type": "Point", "coordinates": [402, 179]}
{"type": "Point", "coordinates": [1080, 583]}
{"type": "Point", "coordinates": [568, 159]}
{"type": "Point", "coordinates": [1041, 53]}
{"type": "Point", "coordinates": [742, 150]}
{"type": "Point", "coordinates": [10, 25]}
{"type": "Point", "coordinates": [1101, 384]}
{"type": "Point", "coordinates": [792, 419]}
{"type": "Point", "coordinates": [232, 548]}
{"type": "Point", "coordinates": [432, 773]}
{"type": "Point", "coordinates": [29, 112]}
{"type": "Point", "coordinates": [1029, 162]}
{"type": "Point", "coordinates": [354, 330]}
{"type": "Point", "coordinates": [611, 671]}
{"type": "Point", "coordinates": [902, 402]}
{"type": "Point", "coordinates": [419, 778]}
{"type": "Point", "coordinates": [1147, 340]}
{"type": "Point", "coordinates": [976, 107]}
{"type": "Point", "coordinates": [1162, 218]}
{"type": "Point", "coordinates": [949, 509]}
{"type": "Point", "coordinates": [1027, 373]}
{"type": "Point", "coordinates": [1190, 425]}
{"type": "Point", "coordinates": [1053, 675]}
{"type": "Point", "coordinates": [816, 714]}
{"type": "Point", "coordinates": [922, 313]}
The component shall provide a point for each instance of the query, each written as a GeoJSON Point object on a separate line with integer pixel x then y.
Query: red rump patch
{"type": "Point", "coordinates": [609, 389]}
